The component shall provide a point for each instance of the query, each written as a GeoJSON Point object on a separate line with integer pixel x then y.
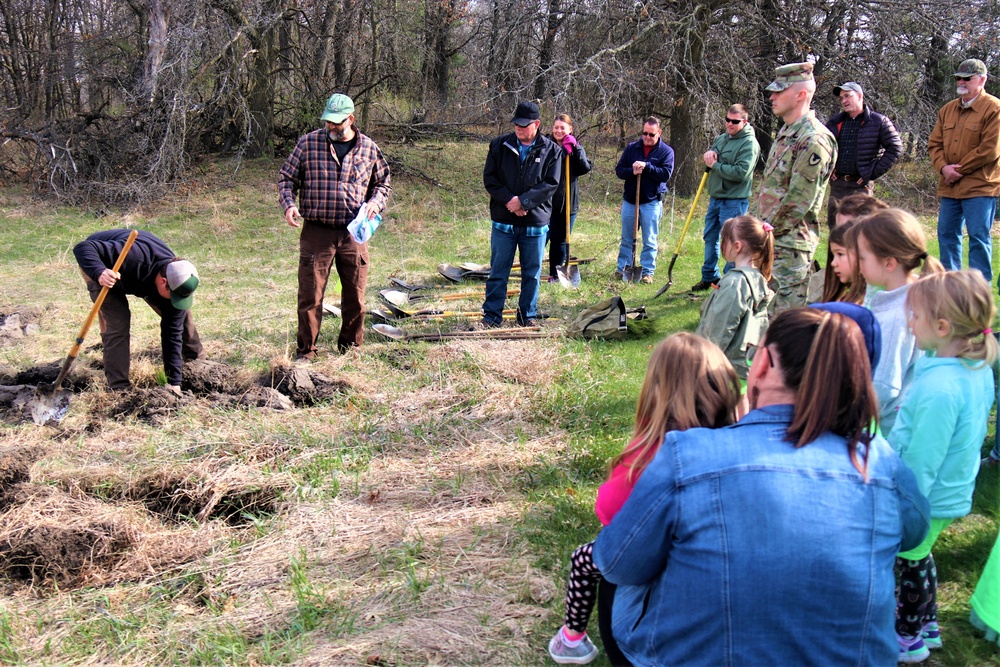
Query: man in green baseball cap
{"type": "Point", "coordinates": [324, 183]}
{"type": "Point", "coordinates": [964, 148]}
{"type": "Point", "coordinates": [338, 108]}
{"type": "Point", "coordinates": [795, 181]}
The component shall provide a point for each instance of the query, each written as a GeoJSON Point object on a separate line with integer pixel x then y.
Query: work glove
{"type": "Point", "coordinates": [569, 142]}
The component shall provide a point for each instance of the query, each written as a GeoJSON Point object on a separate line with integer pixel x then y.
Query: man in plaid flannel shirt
{"type": "Point", "coordinates": [333, 171]}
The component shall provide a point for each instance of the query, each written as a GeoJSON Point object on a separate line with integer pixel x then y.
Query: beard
{"type": "Point", "coordinates": [337, 135]}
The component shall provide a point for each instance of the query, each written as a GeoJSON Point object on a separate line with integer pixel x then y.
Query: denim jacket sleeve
{"type": "Point", "coordinates": [914, 509]}
{"type": "Point", "coordinates": [633, 549]}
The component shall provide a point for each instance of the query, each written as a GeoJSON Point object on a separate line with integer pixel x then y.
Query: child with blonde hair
{"type": "Point", "coordinates": [940, 430]}
{"type": "Point", "coordinates": [891, 246]}
{"type": "Point", "coordinates": [689, 383]}
{"type": "Point", "coordinates": [735, 314]}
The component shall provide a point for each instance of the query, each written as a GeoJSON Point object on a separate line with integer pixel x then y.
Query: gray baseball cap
{"type": "Point", "coordinates": [850, 85]}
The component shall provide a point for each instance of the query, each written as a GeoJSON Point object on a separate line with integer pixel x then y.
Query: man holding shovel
{"type": "Point", "coordinates": [521, 173]}
{"type": "Point", "coordinates": [152, 272]}
{"type": "Point", "coordinates": [730, 162]}
{"type": "Point", "coordinates": [647, 163]}
{"type": "Point", "coordinates": [794, 183]}
{"type": "Point", "coordinates": [333, 171]}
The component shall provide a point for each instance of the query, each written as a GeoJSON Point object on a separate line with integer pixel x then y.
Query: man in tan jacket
{"type": "Point", "coordinates": [964, 148]}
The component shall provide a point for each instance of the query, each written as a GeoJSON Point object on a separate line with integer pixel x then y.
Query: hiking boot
{"type": "Point", "coordinates": [931, 635]}
{"type": "Point", "coordinates": [487, 324]}
{"type": "Point", "coordinates": [912, 649]}
{"type": "Point", "coordinates": [704, 285]}
{"type": "Point", "coordinates": [531, 322]}
{"type": "Point", "coordinates": [618, 275]}
{"type": "Point", "coordinates": [646, 280]}
{"type": "Point", "coordinates": [581, 654]}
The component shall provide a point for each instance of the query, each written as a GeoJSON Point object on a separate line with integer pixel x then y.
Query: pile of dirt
{"type": "Point", "coordinates": [150, 405]}
{"type": "Point", "coordinates": [15, 468]}
{"type": "Point", "coordinates": [303, 385]}
{"type": "Point", "coordinates": [16, 322]}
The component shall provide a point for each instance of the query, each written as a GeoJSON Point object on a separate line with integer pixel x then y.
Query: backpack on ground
{"type": "Point", "coordinates": [607, 320]}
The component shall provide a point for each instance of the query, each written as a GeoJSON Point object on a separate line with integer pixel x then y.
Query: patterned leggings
{"type": "Point", "coordinates": [916, 596]}
{"type": "Point", "coordinates": [581, 590]}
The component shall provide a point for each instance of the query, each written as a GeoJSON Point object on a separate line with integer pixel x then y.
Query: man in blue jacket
{"type": "Point", "coordinates": [153, 273]}
{"type": "Point", "coordinates": [521, 174]}
{"type": "Point", "coordinates": [653, 159]}
{"type": "Point", "coordinates": [868, 145]}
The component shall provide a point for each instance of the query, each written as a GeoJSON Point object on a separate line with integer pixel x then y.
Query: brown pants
{"type": "Point", "coordinates": [115, 320]}
{"type": "Point", "coordinates": [320, 247]}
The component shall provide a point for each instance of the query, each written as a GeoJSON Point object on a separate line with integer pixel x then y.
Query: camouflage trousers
{"type": "Point", "coordinates": [789, 278]}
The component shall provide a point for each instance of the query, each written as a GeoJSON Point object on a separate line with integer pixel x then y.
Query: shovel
{"type": "Point", "coordinates": [395, 314]}
{"type": "Point", "coordinates": [680, 242]}
{"type": "Point", "coordinates": [633, 273]}
{"type": "Point", "coordinates": [402, 284]}
{"type": "Point", "coordinates": [569, 276]}
{"type": "Point", "coordinates": [51, 401]}
{"type": "Point", "coordinates": [396, 333]}
{"type": "Point", "coordinates": [397, 298]}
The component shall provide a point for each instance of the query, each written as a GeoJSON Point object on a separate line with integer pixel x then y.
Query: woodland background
{"type": "Point", "coordinates": [111, 103]}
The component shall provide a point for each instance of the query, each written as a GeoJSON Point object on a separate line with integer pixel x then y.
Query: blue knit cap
{"type": "Point", "coordinates": [866, 322]}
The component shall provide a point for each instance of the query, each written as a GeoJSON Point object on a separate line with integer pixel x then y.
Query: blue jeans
{"type": "Point", "coordinates": [977, 215]}
{"type": "Point", "coordinates": [719, 210]}
{"type": "Point", "coordinates": [529, 242]}
{"type": "Point", "coordinates": [649, 224]}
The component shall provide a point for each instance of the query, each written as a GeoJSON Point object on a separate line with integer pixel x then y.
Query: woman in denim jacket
{"type": "Point", "coordinates": [771, 541]}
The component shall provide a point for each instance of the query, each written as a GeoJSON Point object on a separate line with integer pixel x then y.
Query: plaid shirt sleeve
{"type": "Point", "coordinates": [331, 192]}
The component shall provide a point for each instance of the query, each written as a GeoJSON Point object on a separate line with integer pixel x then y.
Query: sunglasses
{"type": "Point", "coordinates": [963, 78]}
{"type": "Point", "coordinates": [734, 121]}
{"type": "Point", "coordinates": [649, 134]}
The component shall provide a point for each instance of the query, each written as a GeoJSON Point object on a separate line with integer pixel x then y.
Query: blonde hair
{"type": "Point", "coordinates": [895, 233]}
{"type": "Point", "coordinates": [965, 300]}
{"type": "Point", "coordinates": [750, 230]}
{"type": "Point", "coordinates": [689, 383]}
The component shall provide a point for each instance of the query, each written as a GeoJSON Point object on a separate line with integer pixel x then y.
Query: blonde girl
{"type": "Point", "coordinates": [735, 314]}
{"type": "Point", "coordinates": [843, 279]}
{"type": "Point", "coordinates": [891, 246]}
{"type": "Point", "coordinates": [689, 382]}
{"type": "Point", "coordinates": [940, 430]}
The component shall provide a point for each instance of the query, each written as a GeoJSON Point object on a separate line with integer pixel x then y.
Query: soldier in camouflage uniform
{"type": "Point", "coordinates": [794, 184]}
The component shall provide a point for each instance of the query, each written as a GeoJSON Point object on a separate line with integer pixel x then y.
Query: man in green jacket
{"type": "Point", "coordinates": [730, 162]}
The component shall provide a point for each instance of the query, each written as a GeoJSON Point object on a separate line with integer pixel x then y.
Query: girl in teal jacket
{"type": "Point", "coordinates": [940, 429]}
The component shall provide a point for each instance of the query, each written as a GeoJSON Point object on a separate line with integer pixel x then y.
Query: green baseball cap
{"type": "Point", "coordinates": [786, 75]}
{"type": "Point", "coordinates": [971, 67]}
{"type": "Point", "coordinates": [182, 280]}
{"type": "Point", "coordinates": [338, 107]}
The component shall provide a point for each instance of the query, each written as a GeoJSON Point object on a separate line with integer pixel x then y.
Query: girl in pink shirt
{"type": "Point", "coordinates": [689, 383]}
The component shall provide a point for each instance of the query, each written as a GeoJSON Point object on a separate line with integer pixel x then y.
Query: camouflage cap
{"type": "Point", "coordinates": [786, 75]}
{"type": "Point", "coordinates": [970, 67]}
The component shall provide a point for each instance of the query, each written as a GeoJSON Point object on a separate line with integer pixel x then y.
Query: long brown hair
{"type": "Point", "coordinates": [833, 289]}
{"type": "Point", "coordinates": [689, 382]}
{"type": "Point", "coordinates": [895, 233]}
{"type": "Point", "coordinates": [965, 300]}
{"type": "Point", "coordinates": [825, 362]}
{"type": "Point", "coordinates": [750, 230]}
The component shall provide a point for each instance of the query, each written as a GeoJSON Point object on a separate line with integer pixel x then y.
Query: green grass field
{"type": "Point", "coordinates": [423, 516]}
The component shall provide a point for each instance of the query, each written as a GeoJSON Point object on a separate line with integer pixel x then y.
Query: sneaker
{"type": "Point", "coordinates": [532, 322]}
{"type": "Point", "coordinates": [581, 654]}
{"type": "Point", "coordinates": [618, 275]}
{"type": "Point", "coordinates": [553, 279]}
{"type": "Point", "coordinates": [911, 650]}
{"type": "Point", "coordinates": [646, 280]}
{"type": "Point", "coordinates": [990, 461]}
{"type": "Point", "coordinates": [704, 285]}
{"type": "Point", "coordinates": [487, 324]}
{"type": "Point", "coordinates": [931, 635]}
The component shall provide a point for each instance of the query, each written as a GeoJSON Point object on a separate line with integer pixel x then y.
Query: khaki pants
{"type": "Point", "coordinates": [320, 247]}
{"type": "Point", "coordinates": [115, 320]}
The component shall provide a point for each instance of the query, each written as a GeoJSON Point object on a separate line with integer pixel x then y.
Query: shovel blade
{"type": "Point", "coordinates": [49, 405]}
{"type": "Point", "coordinates": [390, 331]}
{"type": "Point", "coordinates": [569, 276]}
{"type": "Point", "coordinates": [632, 274]}
{"type": "Point", "coordinates": [395, 297]}
{"type": "Point", "coordinates": [450, 272]}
